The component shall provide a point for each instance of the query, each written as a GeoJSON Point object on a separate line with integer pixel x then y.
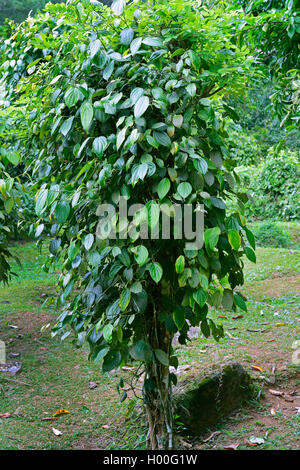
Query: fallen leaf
{"type": "Point", "coordinates": [276, 393]}
{"type": "Point", "coordinates": [229, 335]}
{"type": "Point", "coordinates": [56, 432]}
{"type": "Point", "coordinates": [209, 438]}
{"type": "Point", "coordinates": [279, 324]}
{"type": "Point", "coordinates": [5, 415]}
{"type": "Point", "coordinates": [232, 446]}
{"type": "Point", "coordinates": [273, 412]}
{"type": "Point", "coordinates": [251, 444]}
{"type": "Point", "coordinates": [255, 367]}
{"type": "Point", "coordinates": [222, 316]}
{"type": "Point", "coordinates": [61, 412]}
{"type": "Point", "coordinates": [256, 440]}
{"type": "Point", "coordinates": [105, 426]}
{"type": "Point", "coordinates": [50, 418]}
{"type": "Point", "coordinates": [237, 317]}
{"type": "Point", "coordinates": [128, 368]}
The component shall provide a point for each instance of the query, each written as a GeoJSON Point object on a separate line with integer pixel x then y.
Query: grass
{"type": "Point", "coordinates": [59, 374]}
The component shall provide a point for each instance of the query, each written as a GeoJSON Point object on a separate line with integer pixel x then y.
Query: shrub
{"type": "Point", "coordinates": [243, 146]}
{"type": "Point", "coordinates": [270, 234]}
{"type": "Point", "coordinates": [275, 187]}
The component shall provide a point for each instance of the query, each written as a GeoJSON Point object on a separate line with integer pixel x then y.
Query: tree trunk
{"type": "Point", "coordinates": [157, 389]}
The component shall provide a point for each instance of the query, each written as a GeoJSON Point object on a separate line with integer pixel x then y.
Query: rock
{"type": "Point", "coordinates": [93, 385]}
{"type": "Point", "coordinates": [201, 405]}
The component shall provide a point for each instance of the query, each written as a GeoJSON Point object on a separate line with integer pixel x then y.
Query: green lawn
{"type": "Point", "coordinates": [58, 374]}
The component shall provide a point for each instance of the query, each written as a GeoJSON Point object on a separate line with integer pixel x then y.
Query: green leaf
{"type": "Point", "coordinates": [62, 211]}
{"type": "Point", "coordinates": [162, 357]}
{"type": "Point", "coordinates": [108, 70]}
{"type": "Point", "coordinates": [126, 36]}
{"type": "Point", "coordinates": [211, 237]}
{"type": "Point", "coordinates": [101, 354]}
{"type": "Point", "coordinates": [95, 47]}
{"type": "Point", "coordinates": [153, 213]}
{"type": "Point", "coordinates": [125, 299]}
{"type": "Point", "coordinates": [72, 96]}
{"type": "Point", "coordinates": [141, 351]}
{"type": "Point", "coordinates": [163, 188]}
{"type": "Point", "coordinates": [203, 281]}
{"type": "Point", "coordinates": [135, 45]}
{"type": "Point", "coordinates": [200, 296]}
{"type": "Point", "coordinates": [94, 258]}
{"type": "Point", "coordinates": [118, 7]}
{"type": "Point", "coordinates": [9, 204]}
{"type": "Point", "coordinates": [184, 190]}
{"type": "Point", "coordinates": [216, 202]}
{"type": "Point", "coordinates": [66, 126]}
{"type": "Point", "coordinates": [179, 317]}
{"type": "Point", "coordinates": [136, 94]}
{"type": "Point", "coordinates": [250, 254]}
{"type": "Point", "coordinates": [41, 201]}
{"type": "Point", "coordinates": [156, 271]}
{"type": "Point", "coordinates": [99, 145]}
{"type": "Point", "coordinates": [162, 138]}
{"type": "Point", "coordinates": [239, 301]}
{"type": "Point", "coordinates": [177, 120]}
{"type": "Point", "coordinates": [13, 157]}
{"type": "Point", "coordinates": [154, 42]}
{"type": "Point", "coordinates": [195, 59]}
{"type": "Point", "coordinates": [88, 241]}
{"type": "Point", "coordinates": [136, 287]}
{"type": "Point", "coordinates": [234, 239]}
{"type": "Point", "coordinates": [179, 265]}
{"type": "Point", "coordinates": [141, 255]}
{"type": "Point", "coordinates": [250, 237]}
{"type": "Point", "coordinates": [191, 89]}
{"type": "Point", "coordinates": [200, 165]}
{"type": "Point", "coordinates": [121, 137]}
{"type": "Point", "coordinates": [107, 332]}
{"type": "Point", "coordinates": [112, 360]}
{"type": "Point", "coordinates": [141, 106]}
{"type": "Point", "coordinates": [86, 115]}
{"type": "Point", "coordinates": [205, 328]}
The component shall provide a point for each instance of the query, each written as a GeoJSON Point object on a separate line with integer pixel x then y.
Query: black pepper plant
{"type": "Point", "coordinates": [127, 103]}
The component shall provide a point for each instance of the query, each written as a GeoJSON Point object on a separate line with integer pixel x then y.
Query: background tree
{"type": "Point", "coordinates": [18, 10]}
{"type": "Point", "coordinates": [273, 28]}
